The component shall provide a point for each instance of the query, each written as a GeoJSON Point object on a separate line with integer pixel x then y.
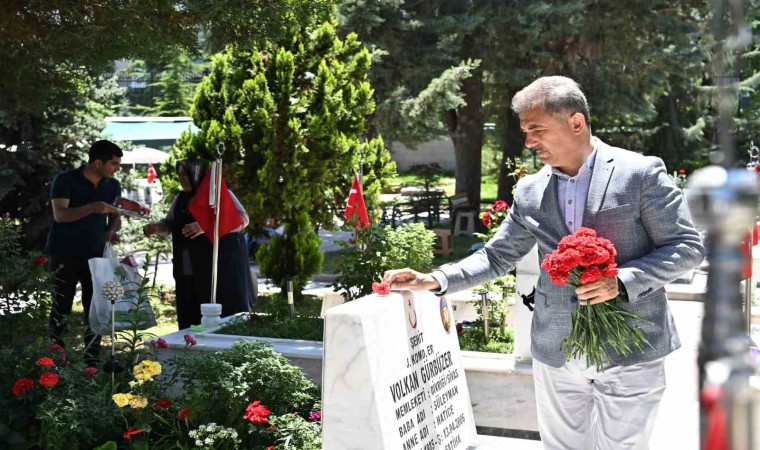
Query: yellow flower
{"type": "Point", "coordinates": [122, 400]}
{"type": "Point", "coordinates": [132, 384]}
{"type": "Point", "coordinates": [146, 370]}
{"type": "Point", "coordinates": [138, 401]}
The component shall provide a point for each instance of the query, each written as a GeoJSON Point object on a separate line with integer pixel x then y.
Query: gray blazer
{"type": "Point", "coordinates": [632, 202]}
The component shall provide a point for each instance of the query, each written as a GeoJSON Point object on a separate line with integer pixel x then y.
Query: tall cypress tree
{"type": "Point", "coordinates": [292, 116]}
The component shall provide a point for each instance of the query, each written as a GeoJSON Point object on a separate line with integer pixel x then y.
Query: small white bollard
{"type": "Point", "coordinates": [211, 314]}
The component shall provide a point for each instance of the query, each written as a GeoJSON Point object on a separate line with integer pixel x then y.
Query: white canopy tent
{"type": "Point", "coordinates": [144, 155]}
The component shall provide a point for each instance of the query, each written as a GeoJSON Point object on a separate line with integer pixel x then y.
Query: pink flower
{"type": "Point", "coordinates": [190, 340]}
{"type": "Point", "coordinates": [257, 413]}
{"type": "Point", "coordinates": [45, 362]}
{"type": "Point", "coordinates": [381, 288]}
{"type": "Point", "coordinates": [91, 371]}
{"type": "Point", "coordinates": [315, 416]}
{"type": "Point", "coordinates": [160, 343]}
{"type": "Point", "coordinates": [56, 348]}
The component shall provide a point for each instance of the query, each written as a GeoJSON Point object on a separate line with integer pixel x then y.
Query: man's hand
{"type": "Point", "coordinates": [602, 290]}
{"type": "Point", "coordinates": [192, 230]}
{"type": "Point", "coordinates": [411, 279]}
{"type": "Point", "coordinates": [102, 208]}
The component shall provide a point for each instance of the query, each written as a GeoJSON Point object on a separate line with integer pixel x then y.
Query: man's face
{"type": "Point", "coordinates": [550, 137]}
{"type": "Point", "coordinates": [109, 168]}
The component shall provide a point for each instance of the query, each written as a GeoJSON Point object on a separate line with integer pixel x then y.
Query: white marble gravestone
{"type": "Point", "coordinates": [393, 376]}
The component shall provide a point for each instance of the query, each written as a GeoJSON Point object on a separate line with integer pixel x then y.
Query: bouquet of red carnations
{"type": "Point", "coordinates": [582, 258]}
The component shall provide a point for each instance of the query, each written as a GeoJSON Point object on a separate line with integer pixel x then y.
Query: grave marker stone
{"type": "Point", "coordinates": [393, 376]}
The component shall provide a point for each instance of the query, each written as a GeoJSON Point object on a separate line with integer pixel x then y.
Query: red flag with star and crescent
{"type": "Point", "coordinates": [203, 212]}
{"type": "Point", "coordinates": [356, 210]}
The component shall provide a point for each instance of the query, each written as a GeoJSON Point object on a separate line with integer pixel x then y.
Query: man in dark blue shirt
{"type": "Point", "coordinates": [84, 220]}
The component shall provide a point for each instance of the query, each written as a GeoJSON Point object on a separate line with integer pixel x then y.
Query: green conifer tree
{"type": "Point", "coordinates": [292, 117]}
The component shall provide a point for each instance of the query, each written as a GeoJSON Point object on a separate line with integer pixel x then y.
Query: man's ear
{"type": "Point", "coordinates": [577, 122]}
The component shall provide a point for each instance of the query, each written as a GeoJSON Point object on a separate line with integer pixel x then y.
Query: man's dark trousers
{"type": "Point", "coordinates": [67, 272]}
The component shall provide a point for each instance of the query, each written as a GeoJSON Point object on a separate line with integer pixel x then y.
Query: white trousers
{"type": "Point", "coordinates": [580, 408]}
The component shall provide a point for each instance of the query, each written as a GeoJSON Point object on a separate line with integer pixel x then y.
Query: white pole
{"type": "Point", "coordinates": [216, 179]}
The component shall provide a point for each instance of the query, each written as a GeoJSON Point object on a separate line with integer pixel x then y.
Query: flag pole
{"type": "Point", "coordinates": [215, 191]}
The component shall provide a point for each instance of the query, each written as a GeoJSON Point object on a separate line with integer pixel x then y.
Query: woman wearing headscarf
{"type": "Point", "coordinates": [192, 252]}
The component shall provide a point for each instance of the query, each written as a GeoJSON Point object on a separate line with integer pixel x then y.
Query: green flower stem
{"type": "Point", "coordinates": [595, 328]}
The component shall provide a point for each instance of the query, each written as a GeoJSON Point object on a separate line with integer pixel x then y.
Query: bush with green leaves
{"type": "Point", "coordinates": [375, 250]}
{"type": "Point", "coordinates": [220, 386]}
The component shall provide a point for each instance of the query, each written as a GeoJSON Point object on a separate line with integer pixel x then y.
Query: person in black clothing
{"type": "Point", "coordinates": [192, 254]}
{"type": "Point", "coordinates": [84, 220]}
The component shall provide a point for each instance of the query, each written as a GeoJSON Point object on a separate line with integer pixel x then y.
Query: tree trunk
{"type": "Point", "coordinates": [511, 142]}
{"type": "Point", "coordinates": [465, 127]}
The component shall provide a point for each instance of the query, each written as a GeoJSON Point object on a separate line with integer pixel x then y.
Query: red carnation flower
{"type": "Point", "coordinates": [22, 386]}
{"type": "Point", "coordinates": [500, 206]}
{"type": "Point", "coordinates": [183, 414]}
{"type": "Point", "coordinates": [49, 379]}
{"type": "Point", "coordinates": [45, 362]}
{"type": "Point", "coordinates": [164, 403]}
{"type": "Point", "coordinates": [257, 413]}
{"type": "Point", "coordinates": [611, 270]}
{"type": "Point", "coordinates": [486, 219]}
{"type": "Point", "coordinates": [271, 447]}
{"type": "Point", "coordinates": [39, 261]}
{"type": "Point", "coordinates": [682, 171]}
{"type": "Point", "coordinates": [190, 340]}
{"type": "Point", "coordinates": [590, 275]}
{"type": "Point", "coordinates": [381, 288]}
{"type": "Point", "coordinates": [91, 371]}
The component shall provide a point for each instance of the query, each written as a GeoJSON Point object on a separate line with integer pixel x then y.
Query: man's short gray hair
{"type": "Point", "coordinates": [555, 94]}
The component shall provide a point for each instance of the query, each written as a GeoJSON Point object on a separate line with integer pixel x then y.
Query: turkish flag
{"type": "Point", "coordinates": [152, 174]}
{"type": "Point", "coordinates": [356, 210]}
{"type": "Point", "coordinates": [203, 212]}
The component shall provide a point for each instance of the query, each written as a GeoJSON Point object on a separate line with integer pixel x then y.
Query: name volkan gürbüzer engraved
{"type": "Point", "coordinates": [413, 417]}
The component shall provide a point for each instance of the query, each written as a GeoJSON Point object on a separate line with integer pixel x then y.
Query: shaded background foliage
{"type": "Point", "coordinates": [440, 68]}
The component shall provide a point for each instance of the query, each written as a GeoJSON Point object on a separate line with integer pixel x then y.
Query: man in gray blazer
{"type": "Point", "coordinates": [627, 198]}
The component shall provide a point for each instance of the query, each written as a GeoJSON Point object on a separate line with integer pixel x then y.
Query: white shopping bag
{"type": "Point", "coordinates": [126, 312]}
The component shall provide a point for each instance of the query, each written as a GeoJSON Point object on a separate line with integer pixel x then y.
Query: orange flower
{"type": "Point", "coordinates": [45, 362]}
{"type": "Point", "coordinates": [132, 432]}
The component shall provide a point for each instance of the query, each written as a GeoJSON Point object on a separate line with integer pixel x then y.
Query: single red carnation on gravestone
{"type": "Point", "coordinates": [381, 288]}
